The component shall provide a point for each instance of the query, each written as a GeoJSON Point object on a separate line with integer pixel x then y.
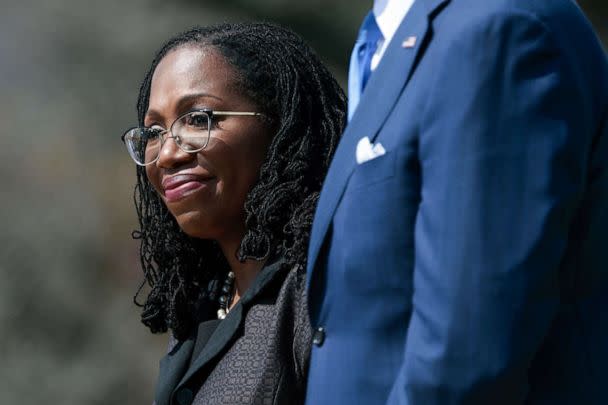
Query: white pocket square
{"type": "Point", "coordinates": [366, 151]}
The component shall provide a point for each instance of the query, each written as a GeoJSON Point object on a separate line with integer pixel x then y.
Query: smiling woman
{"type": "Point", "coordinates": [237, 126]}
{"type": "Point", "coordinates": [205, 191]}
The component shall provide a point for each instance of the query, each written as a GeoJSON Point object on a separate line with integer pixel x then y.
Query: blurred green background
{"type": "Point", "coordinates": [69, 75]}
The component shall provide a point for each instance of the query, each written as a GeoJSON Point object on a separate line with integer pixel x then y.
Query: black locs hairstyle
{"type": "Point", "coordinates": [307, 107]}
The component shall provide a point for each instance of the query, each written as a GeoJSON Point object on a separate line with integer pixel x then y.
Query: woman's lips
{"type": "Point", "coordinates": [179, 186]}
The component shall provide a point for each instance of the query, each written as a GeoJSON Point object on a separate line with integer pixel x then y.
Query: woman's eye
{"type": "Point", "coordinates": [199, 121]}
{"type": "Point", "coordinates": [154, 131]}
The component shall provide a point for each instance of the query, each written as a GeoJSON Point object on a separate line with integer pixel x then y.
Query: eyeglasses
{"type": "Point", "coordinates": [190, 132]}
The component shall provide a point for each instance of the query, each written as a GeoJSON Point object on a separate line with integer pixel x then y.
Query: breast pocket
{"type": "Point", "coordinates": [373, 171]}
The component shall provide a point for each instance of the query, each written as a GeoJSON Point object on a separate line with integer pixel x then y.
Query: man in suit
{"type": "Point", "coordinates": [459, 251]}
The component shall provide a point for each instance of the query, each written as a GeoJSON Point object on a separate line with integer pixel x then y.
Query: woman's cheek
{"type": "Point", "coordinates": [153, 177]}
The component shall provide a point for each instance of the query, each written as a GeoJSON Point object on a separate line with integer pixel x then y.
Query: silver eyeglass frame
{"type": "Point", "coordinates": [162, 133]}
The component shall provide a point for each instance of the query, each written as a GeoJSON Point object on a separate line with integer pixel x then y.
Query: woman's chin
{"type": "Point", "coordinates": [198, 225]}
{"type": "Point", "coordinates": [195, 224]}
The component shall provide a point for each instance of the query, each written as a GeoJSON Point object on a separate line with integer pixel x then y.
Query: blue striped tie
{"type": "Point", "coordinates": [364, 50]}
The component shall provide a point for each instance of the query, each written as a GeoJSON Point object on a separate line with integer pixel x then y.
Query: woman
{"type": "Point", "coordinates": [237, 126]}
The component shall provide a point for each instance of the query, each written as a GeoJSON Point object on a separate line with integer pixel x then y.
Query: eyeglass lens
{"type": "Point", "coordinates": [190, 132]}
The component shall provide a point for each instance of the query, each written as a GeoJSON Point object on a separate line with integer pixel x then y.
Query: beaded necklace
{"type": "Point", "coordinates": [226, 297]}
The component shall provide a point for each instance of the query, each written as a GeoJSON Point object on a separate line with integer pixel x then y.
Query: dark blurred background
{"type": "Point", "coordinates": [69, 75]}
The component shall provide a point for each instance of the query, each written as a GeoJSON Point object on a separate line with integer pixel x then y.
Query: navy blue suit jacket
{"type": "Point", "coordinates": [469, 263]}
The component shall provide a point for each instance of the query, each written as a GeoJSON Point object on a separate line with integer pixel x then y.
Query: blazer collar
{"type": "Point", "coordinates": [380, 95]}
{"type": "Point", "coordinates": [174, 370]}
{"type": "Point", "coordinates": [172, 367]}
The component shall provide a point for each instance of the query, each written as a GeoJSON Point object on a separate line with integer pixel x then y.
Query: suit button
{"type": "Point", "coordinates": [319, 336]}
{"type": "Point", "coordinates": [184, 396]}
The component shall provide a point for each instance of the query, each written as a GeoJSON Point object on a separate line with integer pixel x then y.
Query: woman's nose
{"type": "Point", "coordinates": [170, 155]}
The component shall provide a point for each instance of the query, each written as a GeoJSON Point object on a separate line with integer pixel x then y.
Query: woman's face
{"type": "Point", "coordinates": [205, 191]}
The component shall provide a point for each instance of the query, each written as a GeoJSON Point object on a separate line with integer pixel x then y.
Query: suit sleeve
{"type": "Point", "coordinates": [503, 157]}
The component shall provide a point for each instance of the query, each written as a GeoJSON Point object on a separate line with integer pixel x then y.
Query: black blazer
{"type": "Point", "coordinates": [257, 355]}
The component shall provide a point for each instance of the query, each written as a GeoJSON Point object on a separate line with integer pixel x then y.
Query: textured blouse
{"type": "Point", "coordinates": [257, 355]}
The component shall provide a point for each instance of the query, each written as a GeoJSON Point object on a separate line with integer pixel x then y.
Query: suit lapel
{"type": "Point", "coordinates": [377, 101]}
{"type": "Point", "coordinates": [226, 331]}
{"type": "Point", "coordinates": [172, 368]}
{"type": "Point", "coordinates": [223, 335]}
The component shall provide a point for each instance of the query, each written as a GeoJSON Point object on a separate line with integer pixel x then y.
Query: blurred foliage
{"type": "Point", "coordinates": [69, 76]}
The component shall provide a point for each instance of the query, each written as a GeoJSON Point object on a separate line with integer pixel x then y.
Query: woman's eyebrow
{"type": "Point", "coordinates": [152, 115]}
{"type": "Point", "coordinates": [189, 99]}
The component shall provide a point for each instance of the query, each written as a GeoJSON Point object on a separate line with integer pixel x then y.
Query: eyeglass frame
{"type": "Point", "coordinates": [209, 112]}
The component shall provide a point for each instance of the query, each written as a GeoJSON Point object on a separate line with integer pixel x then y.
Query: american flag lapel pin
{"type": "Point", "coordinates": [409, 42]}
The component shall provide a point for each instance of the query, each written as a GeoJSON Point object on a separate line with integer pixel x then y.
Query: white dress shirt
{"type": "Point", "coordinates": [389, 14]}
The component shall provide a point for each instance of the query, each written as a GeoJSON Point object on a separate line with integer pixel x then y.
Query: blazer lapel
{"type": "Point", "coordinates": [172, 368]}
{"type": "Point", "coordinates": [377, 101]}
{"type": "Point", "coordinates": [223, 335]}
{"type": "Point", "coordinates": [227, 329]}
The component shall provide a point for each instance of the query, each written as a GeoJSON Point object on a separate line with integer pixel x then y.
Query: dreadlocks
{"type": "Point", "coordinates": [286, 79]}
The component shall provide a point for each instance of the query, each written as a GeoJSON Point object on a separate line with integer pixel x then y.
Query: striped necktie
{"type": "Point", "coordinates": [361, 58]}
